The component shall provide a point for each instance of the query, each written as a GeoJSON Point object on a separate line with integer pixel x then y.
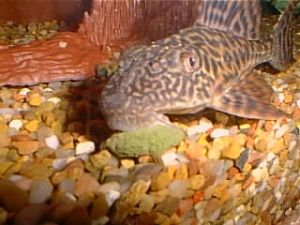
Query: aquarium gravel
{"type": "Point", "coordinates": [56, 164]}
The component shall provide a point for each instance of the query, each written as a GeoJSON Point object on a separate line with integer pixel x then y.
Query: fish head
{"type": "Point", "coordinates": [166, 77]}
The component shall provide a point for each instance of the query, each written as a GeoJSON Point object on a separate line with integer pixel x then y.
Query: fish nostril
{"type": "Point", "coordinates": [154, 65]}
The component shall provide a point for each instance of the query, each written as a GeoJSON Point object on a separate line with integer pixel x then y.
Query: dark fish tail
{"type": "Point", "coordinates": [282, 53]}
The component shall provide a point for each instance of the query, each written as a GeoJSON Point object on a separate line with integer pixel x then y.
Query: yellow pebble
{"type": "Point", "coordinates": [247, 168]}
{"type": "Point", "coordinates": [279, 146]}
{"type": "Point", "coordinates": [171, 171]}
{"type": "Point", "coordinates": [4, 166]}
{"type": "Point", "coordinates": [127, 163]}
{"type": "Point", "coordinates": [233, 151]}
{"type": "Point", "coordinates": [182, 172]}
{"type": "Point", "coordinates": [32, 125]}
{"type": "Point", "coordinates": [160, 181]}
{"type": "Point", "coordinates": [202, 140]}
{"type": "Point", "coordinates": [3, 126]}
{"type": "Point", "coordinates": [161, 218]}
{"type": "Point", "coordinates": [182, 147]}
{"type": "Point", "coordinates": [35, 100]}
{"type": "Point", "coordinates": [197, 181]}
{"type": "Point", "coordinates": [69, 145]}
{"type": "Point", "coordinates": [245, 126]}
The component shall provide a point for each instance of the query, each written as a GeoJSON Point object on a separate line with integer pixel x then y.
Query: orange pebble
{"type": "Point", "coordinates": [184, 206]}
{"type": "Point", "coordinates": [198, 197]}
{"type": "Point", "coordinates": [250, 142]}
{"type": "Point", "coordinates": [19, 98]}
{"type": "Point", "coordinates": [296, 114]}
{"type": "Point", "coordinates": [248, 182]}
{"type": "Point", "coordinates": [274, 181]}
{"type": "Point", "coordinates": [252, 129]}
{"type": "Point", "coordinates": [232, 172]}
{"type": "Point", "coordinates": [195, 151]}
{"type": "Point", "coordinates": [239, 176]}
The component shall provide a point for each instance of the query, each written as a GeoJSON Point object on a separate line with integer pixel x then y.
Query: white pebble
{"type": "Point", "coordinates": [282, 131]}
{"type": "Point", "coordinates": [219, 132]}
{"type": "Point", "coordinates": [71, 197]}
{"type": "Point", "coordinates": [54, 100]}
{"type": "Point", "coordinates": [62, 162]}
{"type": "Point", "coordinates": [298, 103]}
{"type": "Point", "coordinates": [24, 91]}
{"type": "Point", "coordinates": [278, 195]}
{"type": "Point", "coordinates": [203, 126]}
{"type": "Point", "coordinates": [106, 187]}
{"type": "Point", "coordinates": [48, 89]}
{"type": "Point", "coordinates": [83, 157]}
{"type": "Point", "coordinates": [173, 159]}
{"type": "Point", "coordinates": [85, 147]}
{"type": "Point", "coordinates": [67, 185]}
{"type": "Point", "coordinates": [111, 196]}
{"type": "Point", "coordinates": [147, 203]}
{"type": "Point", "coordinates": [270, 156]}
{"type": "Point", "coordinates": [41, 191]}
{"type": "Point", "coordinates": [101, 220]}
{"type": "Point", "coordinates": [63, 44]}
{"type": "Point", "coordinates": [259, 174]}
{"type": "Point", "coordinates": [52, 141]}
{"type": "Point", "coordinates": [15, 178]}
{"type": "Point", "coordinates": [281, 97]}
{"type": "Point", "coordinates": [170, 159]}
{"type": "Point", "coordinates": [178, 188]}
{"type": "Point", "coordinates": [16, 124]}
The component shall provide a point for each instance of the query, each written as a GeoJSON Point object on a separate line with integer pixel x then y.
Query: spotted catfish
{"type": "Point", "coordinates": [209, 64]}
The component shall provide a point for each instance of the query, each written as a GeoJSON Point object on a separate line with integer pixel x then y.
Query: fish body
{"type": "Point", "coordinates": [209, 64]}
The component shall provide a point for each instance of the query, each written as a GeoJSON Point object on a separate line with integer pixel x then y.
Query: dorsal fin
{"type": "Point", "coordinates": [240, 17]}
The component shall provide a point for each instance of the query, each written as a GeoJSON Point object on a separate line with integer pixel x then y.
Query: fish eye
{"type": "Point", "coordinates": [192, 61]}
{"type": "Point", "coordinates": [189, 61]}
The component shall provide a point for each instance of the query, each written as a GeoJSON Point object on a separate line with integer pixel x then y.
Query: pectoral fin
{"type": "Point", "coordinates": [249, 99]}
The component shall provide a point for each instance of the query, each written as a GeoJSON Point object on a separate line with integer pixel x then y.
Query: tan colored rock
{"type": "Point", "coordinates": [159, 196]}
{"type": "Point", "coordinates": [4, 166]}
{"type": "Point", "coordinates": [72, 171]}
{"type": "Point", "coordinates": [86, 184]}
{"type": "Point", "coordinates": [36, 170]}
{"type": "Point", "coordinates": [160, 181]}
{"type": "Point", "coordinates": [130, 199]}
{"type": "Point", "coordinates": [278, 146]}
{"type": "Point", "coordinates": [100, 207]}
{"type": "Point", "coordinates": [3, 126]}
{"type": "Point", "coordinates": [21, 137]}
{"type": "Point", "coordinates": [26, 147]}
{"type": "Point", "coordinates": [4, 140]}
{"type": "Point", "coordinates": [101, 159]}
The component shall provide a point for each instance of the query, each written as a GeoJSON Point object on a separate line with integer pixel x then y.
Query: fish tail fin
{"type": "Point", "coordinates": [282, 54]}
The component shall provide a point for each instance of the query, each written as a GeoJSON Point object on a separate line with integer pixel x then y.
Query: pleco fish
{"type": "Point", "coordinates": [209, 64]}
